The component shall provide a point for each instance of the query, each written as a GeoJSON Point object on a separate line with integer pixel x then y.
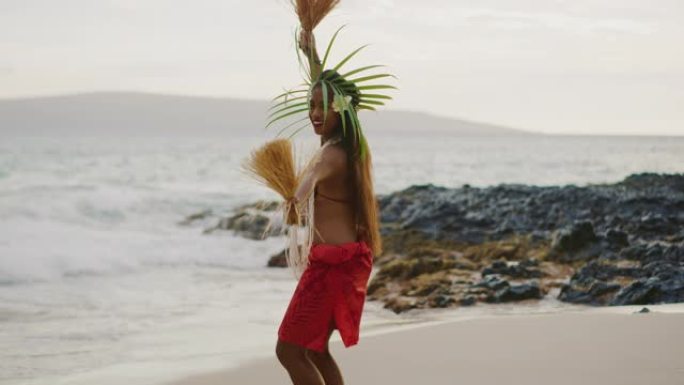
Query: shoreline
{"type": "Point", "coordinates": [628, 343]}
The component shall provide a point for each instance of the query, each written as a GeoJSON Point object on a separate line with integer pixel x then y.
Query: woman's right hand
{"type": "Point", "coordinates": [306, 41]}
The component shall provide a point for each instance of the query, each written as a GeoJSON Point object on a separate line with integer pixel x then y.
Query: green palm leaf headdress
{"type": "Point", "coordinates": [353, 90]}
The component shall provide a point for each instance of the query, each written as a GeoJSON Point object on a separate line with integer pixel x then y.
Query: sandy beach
{"type": "Point", "coordinates": [595, 346]}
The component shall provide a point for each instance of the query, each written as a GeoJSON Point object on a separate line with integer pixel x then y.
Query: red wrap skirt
{"type": "Point", "coordinates": [330, 294]}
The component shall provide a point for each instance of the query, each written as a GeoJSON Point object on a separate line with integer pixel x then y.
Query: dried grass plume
{"type": "Point", "coordinates": [274, 166]}
{"type": "Point", "coordinates": [311, 12]}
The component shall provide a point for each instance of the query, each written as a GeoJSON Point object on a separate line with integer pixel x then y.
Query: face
{"type": "Point", "coordinates": [332, 120]}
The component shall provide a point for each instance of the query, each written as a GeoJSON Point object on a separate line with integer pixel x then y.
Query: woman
{"type": "Point", "coordinates": [331, 291]}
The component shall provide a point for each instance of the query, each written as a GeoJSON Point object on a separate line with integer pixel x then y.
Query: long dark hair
{"type": "Point", "coordinates": [365, 203]}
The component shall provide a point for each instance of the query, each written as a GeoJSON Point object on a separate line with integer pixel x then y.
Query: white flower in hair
{"type": "Point", "coordinates": [341, 103]}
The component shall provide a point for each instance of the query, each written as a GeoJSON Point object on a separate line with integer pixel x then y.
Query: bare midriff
{"type": "Point", "coordinates": [333, 216]}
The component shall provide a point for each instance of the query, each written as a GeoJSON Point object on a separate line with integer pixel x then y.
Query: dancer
{"type": "Point", "coordinates": [331, 291]}
{"type": "Point", "coordinates": [334, 195]}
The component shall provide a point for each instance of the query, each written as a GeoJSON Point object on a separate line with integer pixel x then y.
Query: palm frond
{"type": "Point", "coordinates": [292, 124]}
{"type": "Point", "coordinates": [285, 115]}
{"type": "Point", "coordinates": [324, 90]}
{"type": "Point", "coordinates": [375, 96]}
{"type": "Point", "coordinates": [327, 50]}
{"type": "Point", "coordinates": [377, 87]}
{"type": "Point", "coordinates": [346, 59]}
{"type": "Point", "coordinates": [285, 94]}
{"type": "Point", "coordinates": [371, 77]}
{"type": "Point", "coordinates": [375, 102]}
{"type": "Point", "coordinates": [365, 107]}
{"type": "Point", "coordinates": [337, 91]}
{"type": "Point", "coordinates": [286, 101]}
{"type": "Point", "coordinates": [346, 75]}
{"type": "Point", "coordinates": [364, 146]}
{"type": "Point", "coordinates": [297, 130]}
{"type": "Point", "coordinates": [282, 109]}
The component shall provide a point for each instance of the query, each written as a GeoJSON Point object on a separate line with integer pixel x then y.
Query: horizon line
{"type": "Point", "coordinates": [199, 96]}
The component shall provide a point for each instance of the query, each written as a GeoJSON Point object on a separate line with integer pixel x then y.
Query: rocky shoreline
{"type": "Point", "coordinates": [600, 244]}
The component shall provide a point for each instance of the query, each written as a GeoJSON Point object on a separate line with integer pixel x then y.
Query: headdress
{"type": "Point", "coordinates": [350, 95]}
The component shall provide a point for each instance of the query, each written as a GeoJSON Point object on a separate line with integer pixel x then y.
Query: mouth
{"type": "Point", "coordinates": [317, 123]}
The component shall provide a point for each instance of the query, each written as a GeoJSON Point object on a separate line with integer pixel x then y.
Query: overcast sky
{"type": "Point", "coordinates": [576, 66]}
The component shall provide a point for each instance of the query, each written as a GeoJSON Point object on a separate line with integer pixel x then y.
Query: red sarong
{"type": "Point", "coordinates": [332, 289]}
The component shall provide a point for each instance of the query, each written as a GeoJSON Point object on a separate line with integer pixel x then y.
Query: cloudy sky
{"type": "Point", "coordinates": [576, 66]}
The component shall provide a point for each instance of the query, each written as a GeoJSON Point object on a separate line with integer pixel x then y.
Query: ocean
{"type": "Point", "coordinates": [101, 283]}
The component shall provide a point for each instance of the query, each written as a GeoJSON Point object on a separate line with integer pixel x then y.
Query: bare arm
{"type": "Point", "coordinates": [307, 43]}
{"type": "Point", "coordinates": [329, 162]}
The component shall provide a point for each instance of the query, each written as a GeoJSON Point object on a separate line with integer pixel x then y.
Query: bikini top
{"type": "Point", "coordinates": [318, 193]}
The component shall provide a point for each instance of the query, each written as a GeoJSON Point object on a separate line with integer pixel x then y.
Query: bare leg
{"type": "Point", "coordinates": [326, 364]}
{"type": "Point", "coordinates": [301, 370]}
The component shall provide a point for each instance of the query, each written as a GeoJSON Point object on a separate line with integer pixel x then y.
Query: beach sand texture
{"type": "Point", "coordinates": [588, 347]}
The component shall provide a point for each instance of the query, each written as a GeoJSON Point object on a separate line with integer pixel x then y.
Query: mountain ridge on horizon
{"type": "Point", "coordinates": [96, 113]}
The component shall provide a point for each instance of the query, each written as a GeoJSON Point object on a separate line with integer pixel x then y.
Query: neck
{"type": "Point", "coordinates": [333, 137]}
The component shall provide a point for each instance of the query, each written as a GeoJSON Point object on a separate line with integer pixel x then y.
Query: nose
{"type": "Point", "coordinates": [316, 114]}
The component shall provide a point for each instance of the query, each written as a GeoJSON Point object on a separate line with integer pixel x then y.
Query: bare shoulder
{"type": "Point", "coordinates": [335, 155]}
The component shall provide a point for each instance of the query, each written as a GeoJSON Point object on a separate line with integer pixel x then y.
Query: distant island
{"type": "Point", "coordinates": [151, 114]}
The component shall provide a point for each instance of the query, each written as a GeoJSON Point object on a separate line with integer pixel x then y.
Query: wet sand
{"type": "Point", "coordinates": [603, 347]}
